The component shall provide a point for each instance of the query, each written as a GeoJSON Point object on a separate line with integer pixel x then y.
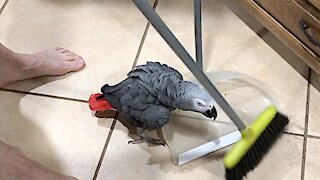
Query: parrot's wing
{"type": "Point", "coordinates": [113, 94]}
{"type": "Point", "coordinates": [155, 116]}
{"type": "Point", "coordinates": [151, 118]}
{"type": "Point", "coordinates": [160, 80]}
{"type": "Point", "coordinates": [153, 67]}
{"type": "Point", "coordinates": [143, 96]}
{"type": "Point", "coordinates": [143, 109]}
{"type": "Point", "coordinates": [110, 89]}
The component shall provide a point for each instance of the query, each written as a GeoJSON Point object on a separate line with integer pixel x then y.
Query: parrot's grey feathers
{"type": "Point", "coordinates": [153, 67]}
{"type": "Point", "coordinates": [117, 91]}
{"type": "Point", "coordinates": [109, 89]}
{"type": "Point", "coordinates": [149, 93]}
{"type": "Point", "coordinates": [154, 117]}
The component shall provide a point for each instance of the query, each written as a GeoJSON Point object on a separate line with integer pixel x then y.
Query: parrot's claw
{"type": "Point", "coordinates": [151, 141]}
{"type": "Point", "coordinates": [157, 142]}
{"type": "Point", "coordinates": [137, 141]}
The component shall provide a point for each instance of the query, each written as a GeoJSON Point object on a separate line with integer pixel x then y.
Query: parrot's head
{"type": "Point", "coordinates": [194, 98]}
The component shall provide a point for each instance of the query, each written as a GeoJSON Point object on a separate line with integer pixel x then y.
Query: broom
{"type": "Point", "coordinates": [257, 138]}
{"type": "Point", "coordinates": [255, 143]}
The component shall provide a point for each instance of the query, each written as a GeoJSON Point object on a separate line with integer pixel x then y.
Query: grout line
{"type": "Point", "coordinates": [144, 36]}
{"type": "Point", "coordinates": [302, 135]}
{"type": "Point", "coordinates": [3, 6]}
{"type": "Point", "coordinates": [105, 147]}
{"type": "Point", "coordinates": [305, 135]}
{"type": "Point", "coordinates": [313, 137]}
{"type": "Point", "coordinates": [141, 45]}
{"type": "Point", "coordinates": [116, 117]}
{"type": "Point", "coordinates": [293, 134]}
{"type": "Point", "coordinates": [44, 95]}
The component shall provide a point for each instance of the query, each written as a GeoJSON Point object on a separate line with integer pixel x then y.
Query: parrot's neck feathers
{"type": "Point", "coordinates": [173, 92]}
{"type": "Point", "coordinates": [180, 94]}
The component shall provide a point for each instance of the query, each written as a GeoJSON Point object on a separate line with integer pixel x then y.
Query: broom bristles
{"type": "Point", "coordinates": [257, 151]}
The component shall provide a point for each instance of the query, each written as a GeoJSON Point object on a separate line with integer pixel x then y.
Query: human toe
{"type": "Point", "coordinates": [72, 57]}
{"type": "Point", "coordinates": [62, 50]}
{"type": "Point", "coordinates": [75, 65]}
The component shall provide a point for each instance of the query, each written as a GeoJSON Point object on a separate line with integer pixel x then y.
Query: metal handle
{"type": "Point", "coordinates": [198, 32]}
{"type": "Point", "coordinates": [304, 27]}
{"type": "Point", "coordinates": [177, 47]}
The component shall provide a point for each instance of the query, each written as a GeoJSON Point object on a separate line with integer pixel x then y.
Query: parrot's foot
{"type": "Point", "coordinates": [157, 142]}
{"type": "Point", "coordinates": [153, 141]}
{"type": "Point", "coordinates": [136, 141]}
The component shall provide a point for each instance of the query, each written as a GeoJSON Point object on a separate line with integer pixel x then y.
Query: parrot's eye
{"type": "Point", "coordinates": [200, 104]}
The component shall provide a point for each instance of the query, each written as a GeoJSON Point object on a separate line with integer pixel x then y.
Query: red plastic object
{"type": "Point", "coordinates": [98, 104]}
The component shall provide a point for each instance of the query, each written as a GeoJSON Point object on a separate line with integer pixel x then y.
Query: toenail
{"type": "Point", "coordinates": [81, 64]}
{"type": "Point", "coordinates": [81, 61]}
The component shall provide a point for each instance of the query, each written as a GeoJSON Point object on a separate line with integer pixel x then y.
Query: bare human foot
{"type": "Point", "coordinates": [15, 67]}
{"type": "Point", "coordinates": [14, 165]}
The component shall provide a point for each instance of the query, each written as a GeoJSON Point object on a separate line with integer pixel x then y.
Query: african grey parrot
{"type": "Point", "coordinates": [150, 92]}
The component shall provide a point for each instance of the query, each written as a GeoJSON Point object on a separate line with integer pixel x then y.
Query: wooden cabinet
{"type": "Point", "coordinates": [298, 17]}
{"type": "Point", "coordinates": [315, 3]}
{"type": "Point", "coordinates": [294, 22]}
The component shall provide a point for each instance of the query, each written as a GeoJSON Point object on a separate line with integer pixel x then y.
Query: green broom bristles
{"type": "Point", "coordinates": [256, 140]}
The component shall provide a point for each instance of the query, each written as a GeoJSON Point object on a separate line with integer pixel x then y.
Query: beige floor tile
{"type": "Point", "coordinates": [283, 162]}
{"type": "Point", "coordinates": [2, 2]}
{"type": "Point", "coordinates": [2, 5]}
{"type": "Point", "coordinates": [313, 160]}
{"type": "Point", "coordinates": [105, 33]}
{"type": "Point", "coordinates": [314, 112]}
{"type": "Point", "coordinates": [148, 162]}
{"type": "Point", "coordinates": [229, 45]}
{"type": "Point", "coordinates": [62, 135]}
{"type": "Point", "coordinates": [140, 162]}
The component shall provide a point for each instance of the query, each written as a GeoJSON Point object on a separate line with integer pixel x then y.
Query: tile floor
{"type": "Point", "coordinates": [67, 138]}
{"type": "Point", "coordinates": [314, 115]}
{"type": "Point", "coordinates": [64, 135]}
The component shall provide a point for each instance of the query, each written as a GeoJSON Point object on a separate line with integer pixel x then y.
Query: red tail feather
{"type": "Point", "coordinates": [98, 104]}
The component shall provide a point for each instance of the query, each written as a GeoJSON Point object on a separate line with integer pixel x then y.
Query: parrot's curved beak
{"type": "Point", "coordinates": [211, 113]}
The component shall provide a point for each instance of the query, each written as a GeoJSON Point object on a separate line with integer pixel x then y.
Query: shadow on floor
{"type": "Point", "coordinates": [158, 155]}
{"type": "Point", "coordinates": [19, 131]}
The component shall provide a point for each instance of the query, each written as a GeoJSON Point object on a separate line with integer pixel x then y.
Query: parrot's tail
{"type": "Point", "coordinates": [98, 103]}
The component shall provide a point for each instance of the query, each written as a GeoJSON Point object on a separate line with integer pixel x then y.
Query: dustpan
{"type": "Point", "coordinates": [190, 135]}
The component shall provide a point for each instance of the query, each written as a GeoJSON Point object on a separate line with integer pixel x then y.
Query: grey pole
{"type": "Point", "coordinates": [177, 47]}
{"type": "Point", "coordinates": [198, 32]}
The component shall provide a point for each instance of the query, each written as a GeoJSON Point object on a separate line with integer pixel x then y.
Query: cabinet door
{"type": "Point", "coordinates": [300, 17]}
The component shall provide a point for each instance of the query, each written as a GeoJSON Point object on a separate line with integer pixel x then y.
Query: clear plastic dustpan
{"type": "Point", "coordinates": [190, 135]}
